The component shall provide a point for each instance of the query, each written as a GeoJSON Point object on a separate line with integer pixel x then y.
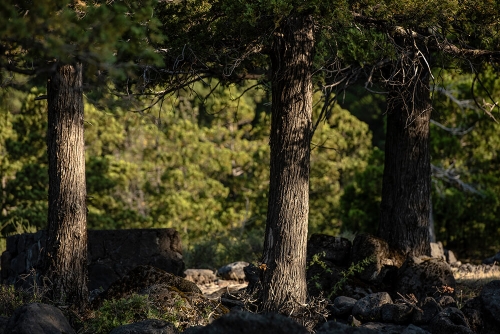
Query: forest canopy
{"type": "Point", "coordinates": [197, 157]}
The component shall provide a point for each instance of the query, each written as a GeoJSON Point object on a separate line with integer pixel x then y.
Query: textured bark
{"type": "Point", "coordinates": [284, 279]}
{"type": "Point", "coordinates": [65, 260]}
{"type": "Point", "coordinates": [405, 207]}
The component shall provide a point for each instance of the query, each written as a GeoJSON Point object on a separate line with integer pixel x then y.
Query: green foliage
{"type": "Point", "coordinates": [225, 247]}
{"type": "Point", "coordinates": [175, 309]}
{"type": "Point", "coordinates": [465, 219]}
{"type": "Point", "coordinates": [111, 38]}
{"type": "Point", "coordinates": [199, 164]}
{"type": "Point", "coordinates": [349, 272]}
{"type": "Point", "coordinates": [318, 261]}
{"type": "Point", "coordinates": [24, 164]}
{"type": "Point", "coordinates": [364, 47]}
{"type": "Point", "coordinates": [202, 168]}
{"type": "Point", "coordinates": [360, 202]}
{"type": "Point", "coordinates": [12, 298]}
{"type": "Point", "coordinates": [466, 203]}
{"type": "Point", "coordinates": [120, 312]}
{"type": "Point", "coordinates": [340, 147]}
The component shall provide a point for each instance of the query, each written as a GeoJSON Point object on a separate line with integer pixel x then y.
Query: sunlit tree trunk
{"type": "Point", "coordinates": [284, 257]}
{"type": "Point", "coordinates": [65, 258]}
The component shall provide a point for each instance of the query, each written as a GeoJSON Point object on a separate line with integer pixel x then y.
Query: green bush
{"type": "Point", "coordinates": [222, 248]}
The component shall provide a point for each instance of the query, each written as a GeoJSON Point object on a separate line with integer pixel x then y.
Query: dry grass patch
{"type": "Point", "coordinates": [470, 284]}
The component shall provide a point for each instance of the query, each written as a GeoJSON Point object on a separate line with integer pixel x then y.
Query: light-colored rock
{"type": "Point", "coordinates": [200, 276]}
{"type": "Point", "coordinates": [450, 257]}
{"type": "Point", "coordinates": [233, 271]}
{"type": "Point", "coordinates": [437, 250]}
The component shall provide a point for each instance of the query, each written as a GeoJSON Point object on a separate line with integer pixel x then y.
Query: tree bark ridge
{"type": "Point", "coordinates": [285, 242]}
{"type": "Point", "coordinates": [65, 261]}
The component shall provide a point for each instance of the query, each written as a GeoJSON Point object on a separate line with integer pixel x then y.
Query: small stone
{"type": "Point", "coordinates": [342, 306]}
{"type": "Point", "coordinates": [368, 308]}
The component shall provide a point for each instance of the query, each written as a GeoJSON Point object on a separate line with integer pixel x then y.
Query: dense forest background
{"type": "Point", "coordinates": [199, 162]}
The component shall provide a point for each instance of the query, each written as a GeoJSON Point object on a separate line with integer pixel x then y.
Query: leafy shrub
{"type": "Point", "coordinates": [124, 311]}
{"type": "Point", "coordinates": [346, 274]}
{"type": "Point", "coordinates": [226, 247]}
{"type": "Point", "coordinates": [318, 279]}
{"type": "Point", "coordinates": [12, 298]}
{"type": "Point", "coordinates": [176, 308]}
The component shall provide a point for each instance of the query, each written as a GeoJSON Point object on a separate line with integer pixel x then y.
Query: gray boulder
{"type": "Point", "coordinates": [233, 271]}
{"type": "Point", "coordinates": [429, 308]}
{"type": "Point", "coordinates": [252, 276]}
{"type": "Point", "coordinates": [412, 329]}
{"type": "Point", "coordinates": [149, 326]}
{"type": "Point", "coordinates": [366, 246]}
{"type": "Point", "coordinates": [38, 318]}
{"type": "Point", "coordinates": [3, 324]}
{"type": "Point", "coordinates": [424, 276]}
{"type": "Point", "coordinates": [490, 298]}
{"type": "Point", "coordinates": [200, 276]}
{"type": "Point", "coordinates": [450, 256]}
{"type": "Point", "coordinates": [241, 322]}
{"type": "Point", "coordinates": [396, 313]}
{"type": "Point", "coordinates": [369, 308]}
{"type": "Point", "coordinates": [384, 328]}
{"type": "Point", "coordinates": [490, 260]}
{"type": "Point", "coordinates": [437, 250]}
{"type": "Point", "coordinates": [334, 249]}
{"type": "Point", "coordinates": [472, 311]}
{"type": "Point", "coordinates": [450, 321]}
{"type": "Point", "coordinates": [446, 301]}
{"type": "Point", "coordinates": [140, 278]}
{"type": "Point", "coordinates": [334, 327]}
{"type": "Point", "coordinates": [342, 306]}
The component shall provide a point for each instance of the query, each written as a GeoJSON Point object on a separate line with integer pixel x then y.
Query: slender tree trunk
{"type": "Point", "coordinates": [405, 207]}
{"type": "Point", "coordinates": [284, 277]}
{"type": "Point", "coordinates": [65, 261]}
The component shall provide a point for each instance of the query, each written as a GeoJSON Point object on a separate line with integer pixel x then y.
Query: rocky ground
{"type": "Point", "coordinates": [391, 294]}
{"type": "Point", "coordinates": [229, 278]}
{"type": "Point", "coordinates": [463, 300]}
{"type": "Point", "coordinates": [469, 277]}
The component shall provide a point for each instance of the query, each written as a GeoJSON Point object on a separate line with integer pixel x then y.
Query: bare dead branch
{"type": "Point", "coordinates": [453, 131]}
{"type": "Point", "coordinates": [451, 176]}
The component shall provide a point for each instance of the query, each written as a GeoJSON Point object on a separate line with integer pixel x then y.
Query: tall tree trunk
{"type": "Point", "coordinates": [65, 261]}
{"type": "Point", "coordinates": [284, 256]}
{"type": "Point", "coordinates": [405, 207]}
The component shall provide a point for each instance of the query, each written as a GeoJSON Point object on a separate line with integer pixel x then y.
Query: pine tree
{"type": "Point", "coordinates": [421, 35]}
{"type": "Point", "coordinates": [277, 43]}
{"type": "Point", "coordinates": [57, 41]}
